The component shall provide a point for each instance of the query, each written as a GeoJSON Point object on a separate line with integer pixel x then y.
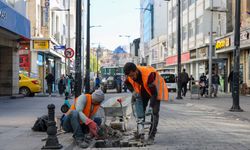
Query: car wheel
{"type": "Point", "coordinates": [25, 91]}
{"type": "Point", "coordinates": [32, 94]}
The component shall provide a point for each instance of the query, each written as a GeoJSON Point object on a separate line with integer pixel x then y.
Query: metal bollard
{"type": "Point", "coordinates": [52, 141]}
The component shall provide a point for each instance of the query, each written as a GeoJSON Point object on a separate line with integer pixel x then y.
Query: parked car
{"type": "Point", "coordinates": [170, 80]}
{"type": "Point", "coordinates": [112, 82]}
{"type": "Point", "coordinates": [29, 86]}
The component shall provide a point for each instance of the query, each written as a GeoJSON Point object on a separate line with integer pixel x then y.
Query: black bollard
{"type": "Point", "coordinates": [52, 141]}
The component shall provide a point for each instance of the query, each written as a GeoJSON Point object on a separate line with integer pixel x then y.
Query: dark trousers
{"type": "Point", "coordinates": [155, 117]}
{"type": "Point", "coordinates": [49, 89]}
{"type": "Point", "coordinates": [184, 88]}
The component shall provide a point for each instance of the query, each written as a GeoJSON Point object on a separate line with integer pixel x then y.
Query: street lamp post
{"type": "Point", "coordinates": [236, 100]}
{"type": "Point", "coordinates": [179, 47]}
{"type": "Point", "coordinates": [78, 76]}
{"type": "Point", "coordinates": [87, 75]}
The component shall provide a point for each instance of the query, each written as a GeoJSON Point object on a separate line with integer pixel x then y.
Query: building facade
{"type": "Point", "coordinates": [195, 34]}
{"type": "Point", "coordinates": [14, 29]}
{"type": "Point", "coordinates": [50, 36]}
{"type": "Point", "coordinates": [224, 46]}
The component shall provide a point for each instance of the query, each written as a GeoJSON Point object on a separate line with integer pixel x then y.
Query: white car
{"type": "Point", "coordinates": [170, 80]}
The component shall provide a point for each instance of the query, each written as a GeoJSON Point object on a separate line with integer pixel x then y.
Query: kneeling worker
{"type": "Point", "coordinates": [80, 119]}
{"type": "Point", "coordinates": [146, 83]}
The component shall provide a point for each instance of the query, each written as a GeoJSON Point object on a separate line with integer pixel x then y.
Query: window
{"type": "Point", "coordinates": [191, 2]}
{"type": "Point", "coordinates": [184, 4]}
{"type": "Point", "coordinates": [191, 29]}
{"type": "Point", "coordinates": [170, 14]}
{"type": "Point", "coordinates": [198, 25]}
{"type": "Point", "coordinates": [174, 38]}
{"type": "Point", "coordinates": [174, 12]}
{"type": "Point", "coordinates": [184, 32]}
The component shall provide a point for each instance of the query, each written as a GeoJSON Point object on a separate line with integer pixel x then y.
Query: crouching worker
{"type": "Point", "coordinates": [80, 119]}
{"type": "Point", "coordinates": [147, 86]}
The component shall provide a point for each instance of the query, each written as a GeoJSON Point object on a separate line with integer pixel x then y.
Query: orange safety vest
{"type": "Point", "coordinates": [159, 82]}
{"type": "Point", "coordinates": [87, 109]}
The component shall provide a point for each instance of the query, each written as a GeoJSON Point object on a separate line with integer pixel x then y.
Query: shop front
{"type": "Point", "coordinates": [11, 35]}
{"type": "Point", "coordinates": [225, 48]}
{"type": "Point", "coordinates": [171, 62]}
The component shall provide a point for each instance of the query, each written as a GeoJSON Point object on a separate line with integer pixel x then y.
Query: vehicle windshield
{"type": "Point", "coordinates": [169, 78]}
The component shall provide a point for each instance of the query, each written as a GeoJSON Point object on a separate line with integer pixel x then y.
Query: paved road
{"type": "Point", "coordinates": [182, 126]}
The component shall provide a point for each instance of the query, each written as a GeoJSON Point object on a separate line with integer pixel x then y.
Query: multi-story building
{"type": "Point", "coordinates": [225, 44]}
{"type": "Point", "coordinates": [51, 33]}
{"type": "Point", "coordinates": [153, 32]}
{"type": "Point", "coordinates": [195, 33]}
{"type": "Point", "coordinates": [14, 28]}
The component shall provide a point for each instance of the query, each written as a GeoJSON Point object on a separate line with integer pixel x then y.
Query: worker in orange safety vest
{"type": "Point", "coordinates": [81, 119]}
{"type": "Point", "coordinates": [146, 84]}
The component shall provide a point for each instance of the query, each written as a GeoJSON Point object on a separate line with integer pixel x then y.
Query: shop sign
{"type": "Point", "coordinates": [244, 35]}
{"type": "Point", "coordinates": [41, 44]}
{"type": "Point", "coordinates": [192, 54]}
{"type": "Point", "coordinates": [202, 52]}
{"type": "Point", "coordinates": [173, 59]}
{"type": "Point", "coordinates": [223, 43]}
{"type": "Point", "coordinates": [3, 15]}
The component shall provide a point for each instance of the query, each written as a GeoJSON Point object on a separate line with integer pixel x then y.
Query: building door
{"type": "Point", "coordinates": [220, 66]}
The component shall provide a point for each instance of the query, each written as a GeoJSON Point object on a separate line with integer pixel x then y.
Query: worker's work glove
{"type": "Point", "coordinates": [149, 111]}
{"type": "Point", "coordinates": [92, 127]}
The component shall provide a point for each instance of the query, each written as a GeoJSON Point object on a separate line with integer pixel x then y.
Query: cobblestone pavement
{"type": "Point", "coordinates": [184, 125]}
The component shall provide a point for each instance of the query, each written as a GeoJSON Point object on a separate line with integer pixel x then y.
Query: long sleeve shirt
{"type": "Point", "coordinates": [143, 92]}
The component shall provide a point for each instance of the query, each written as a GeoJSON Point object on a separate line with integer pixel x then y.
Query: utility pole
{"type": "Point", "coordinates": [236, 72]}
{"type": "Point", "coordinates": [87, 84]}
{"type": "Point", "coordinates": [68, 44]}
{"type": "Point", "coordinates": [97, 53]}
{"type": "Point", "coordinates": [210, 50]}
{"type": "Point", "coordinates": [179, 47]}
{"type": "Point", "coordinates": [78, 76]}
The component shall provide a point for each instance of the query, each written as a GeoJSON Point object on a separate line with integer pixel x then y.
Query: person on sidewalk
{"type": "Point", "coordinates": [215, 83]}
{"type": "Point", "coordinates": [61, 85]}
{"type": "Point", "coordinates": [81, 117]}
{"type": "Point", "coordinates": [202, 83]}
{"type": "Point", "coordinates": [50, 80]}
{"type": "Point", "coordinates": [184, 81]}
{"type": "Point", "coordinates": [146, 83]}
{"type": "Point", "coordinates": [230, 81]}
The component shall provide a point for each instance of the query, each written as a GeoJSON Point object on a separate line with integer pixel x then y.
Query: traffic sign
{"type": "Point", "coordinates": [62, 47]}
{"type": "Point", "coordinates": [69, 53]}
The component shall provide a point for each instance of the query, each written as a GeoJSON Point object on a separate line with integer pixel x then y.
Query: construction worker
{"type": "Point", "coordinates": [146, 83]}
{"type": "Point", "coordinates": [80, 118]}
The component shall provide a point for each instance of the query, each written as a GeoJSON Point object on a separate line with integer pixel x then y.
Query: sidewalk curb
{"type": "Point", "coordinates": [17, 96]}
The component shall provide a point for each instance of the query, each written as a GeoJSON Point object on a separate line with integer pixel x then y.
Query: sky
{"type": "Point", "coordinates": [117, 17]}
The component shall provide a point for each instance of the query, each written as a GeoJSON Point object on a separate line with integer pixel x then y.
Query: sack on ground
{"type": "Point", "coordinates": [41, 124]}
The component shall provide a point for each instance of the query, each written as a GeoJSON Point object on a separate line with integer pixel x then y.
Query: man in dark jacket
{"type": "Point", "coordinates": [50, 80]}
{"type": "Point", "coordinates": [215, 83]}
{"type": "Point", "coordinates": [184, 81]}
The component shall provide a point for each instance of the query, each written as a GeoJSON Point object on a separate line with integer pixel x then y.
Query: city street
{"type": "Point", "coordinates": [184, 124]}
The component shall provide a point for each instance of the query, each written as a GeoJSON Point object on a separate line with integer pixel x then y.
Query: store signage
{"type": "Point", "coordinates": [202, 52]}
{"type": "Point", "coordinates": [223, 43]}
{"type": "Point", "coordinates": [244, 35]}
{"type": "Point", "coordinates": [173, 59]}
{"type": "Point", "coordinates": [192, 54]}
{"type": "Point", "coordinates": [60, 47]}
{"type": "Point", "coordinates": [3, 15]}
{"type": "Point", "coordinates": [41, 44]}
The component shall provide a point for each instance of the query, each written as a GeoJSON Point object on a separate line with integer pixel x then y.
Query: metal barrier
{"type": "Point", "coordinates": [195, 89]}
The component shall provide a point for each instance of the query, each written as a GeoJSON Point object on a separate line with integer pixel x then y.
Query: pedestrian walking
{"type": "Point", "coordinates": [61, 85]}
{"type": "Point", "coordinates": [146, 84]}
{"type": "Point", "coordinates": [184, 82]}
{"type": "Point", "coordinates": [50, 80]}
{"type": "Point", "coordinates": [81, 118]}
{"type": "Point", "coordinates": [192, 82]}
{"type": "Point", "coordinates": [215, 83]}
{"type": "Point", "coordinates": [202, 83]}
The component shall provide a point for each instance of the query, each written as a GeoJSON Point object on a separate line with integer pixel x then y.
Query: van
{"type": "Point", "coordinates": [170, 80]}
